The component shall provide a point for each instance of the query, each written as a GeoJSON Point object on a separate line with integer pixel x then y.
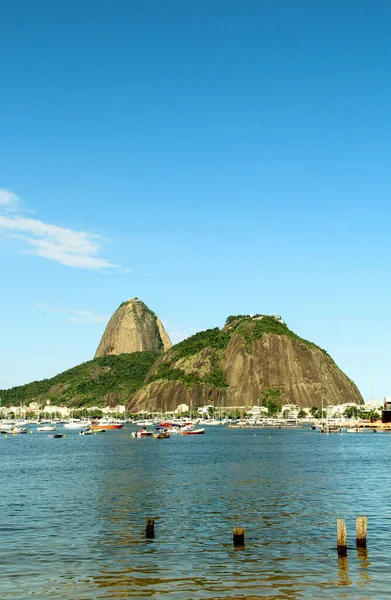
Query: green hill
{"type": "Point", "coordinates": [105, 380]}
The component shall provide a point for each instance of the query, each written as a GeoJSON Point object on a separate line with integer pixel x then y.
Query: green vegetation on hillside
{"type": "Point", "coordinates": [252, 329]}
{"type": "Point", "coordinates": [169, 373]}
{"type": "Point", "coordinates": [87, 384]}
{"type": "Point", "coordinates": [233, 318]}
{"type": "Point", "coordinates": [271, 398]}
{"type": "Point", "coordinates": [210, 338]}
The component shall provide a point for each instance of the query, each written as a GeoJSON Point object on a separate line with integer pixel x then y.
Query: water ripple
{"type": "Point", "coordinates": [73, 516]}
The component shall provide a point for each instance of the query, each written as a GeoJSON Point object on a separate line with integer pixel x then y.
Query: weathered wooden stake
{"type": "Point", "coordinates": [238, 536]}
{"type": "Point", "coordinates": [361, 531]}
{"type": "Point", "coordinates": [341, 537]}
{"type": "Point", "coordinates": [150, 528]}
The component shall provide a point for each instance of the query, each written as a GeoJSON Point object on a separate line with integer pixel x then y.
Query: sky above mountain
{"type": "Point", "coordinates": [210, 157]}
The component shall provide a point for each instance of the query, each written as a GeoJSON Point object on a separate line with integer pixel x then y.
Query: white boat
{"type": "Point", "coordinates": [16, 430]}
{"type": "Point", "coordinates": [141, 433]}
{"type": "Point", "coordinates": [76, 424]}
{"type": "Point", "coordinates": [106, 424]}
{"type": "Point", "coordinates": [7, 425]}
{"type": "Point", "coordinates": [174, 429]}
{"type": "Point", "coordinates": [46, 427]}
{"type": "Point", "coordinates": [187, 427]}
{"type": "Point", "coordinates": [193, 431]}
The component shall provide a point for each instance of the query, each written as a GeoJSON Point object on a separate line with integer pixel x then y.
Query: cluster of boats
{"type": "Point", "coordinates": [164, 430]}
{"type": "Point", "coordinates": [94, 425]}
{"type": "Point", "coordinates": [85, 427]}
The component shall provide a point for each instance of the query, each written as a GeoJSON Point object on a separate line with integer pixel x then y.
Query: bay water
{"type": "Point", "coordinates": [73, 512]}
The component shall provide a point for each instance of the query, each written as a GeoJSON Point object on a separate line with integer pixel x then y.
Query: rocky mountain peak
{"type": "Point", "coordinates": [133, 328]}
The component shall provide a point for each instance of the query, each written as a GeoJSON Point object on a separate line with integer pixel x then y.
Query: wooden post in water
{"type": "Point", "coordinates": [361, 531]}
{"type": "Point", "coordinates": [238, 536]}
{"type": "Point", "coordinates": [341, 537]}
{"type": "Point", "coordinates": [150, 528]}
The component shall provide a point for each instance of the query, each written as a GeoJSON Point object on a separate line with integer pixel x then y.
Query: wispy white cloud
{"type": "Point", "coordinates": [74, 315]}
{"type": "Point", "coordinates": [68, 247]}
{"type": "Point", "coordinates": [9, 202]}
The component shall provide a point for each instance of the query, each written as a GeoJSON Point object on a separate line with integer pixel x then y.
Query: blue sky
{"type": "Point", "coordinates": [210, 157]}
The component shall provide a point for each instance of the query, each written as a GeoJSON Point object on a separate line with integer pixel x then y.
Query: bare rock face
{"type": "Point", "coordinates": [133, 328]}
{"type": "Point", "coordinates": [248, 368]}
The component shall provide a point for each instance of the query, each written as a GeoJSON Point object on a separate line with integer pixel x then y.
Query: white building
{"type": "Point", "coordinates": [256, 411]}
{"type": "Point", "coordinates": [291, 410]}
{"type": "Point", "coordinates": [204, 410]}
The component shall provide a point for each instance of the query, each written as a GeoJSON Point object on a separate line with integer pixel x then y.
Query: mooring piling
{"type": "Point", "coordinates": [150, 528]}
{"type": "Point", "coordinates": [361, 531]}
{"type": "Point", "coordinates": [238, 536]}
{"type": "Point", "coordinates": [341, 537]}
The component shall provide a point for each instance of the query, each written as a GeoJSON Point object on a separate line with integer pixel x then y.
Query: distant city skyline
{"type": "Point", "coordinates": [210, 158]}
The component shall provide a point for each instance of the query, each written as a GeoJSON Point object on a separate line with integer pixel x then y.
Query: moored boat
{"type": "Point", "coordinates": [76, 424]}
{"type": "Point", "coordinates": [16, 430]}
{"type": "Point", "coordinates": [144, 423]}
{"type": "Point", "coordinates": [7, 425]}
{"type": "Point", "coordinates": [162, 435]}
{"type": "Point", "coordinates": [141, 433]}
{"type": "Point", "coordinates": [91, 432]}
{"type": "Point", "coordinates": [175, 430]}
{"type": "Point", "coordinates": [46, 428]}
{"type": "Point", "coordinates": [106, 424]}
{"type": "Point", "coordinates": [193, 431]}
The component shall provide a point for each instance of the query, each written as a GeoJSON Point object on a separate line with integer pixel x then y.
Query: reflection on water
{"type": "Point", "coordinates": [363, 565]}
{"type": "Point", "coordinates": [74, 515]}
{"type": "Point", "coordinates": [343, 571]}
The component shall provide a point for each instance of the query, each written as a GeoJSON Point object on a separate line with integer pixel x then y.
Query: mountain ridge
{"type": "Point", "coordinates": [251, 360]}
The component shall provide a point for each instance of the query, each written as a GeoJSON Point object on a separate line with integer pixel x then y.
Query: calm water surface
{"type": "Point", "coordinates": [73, 515]}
